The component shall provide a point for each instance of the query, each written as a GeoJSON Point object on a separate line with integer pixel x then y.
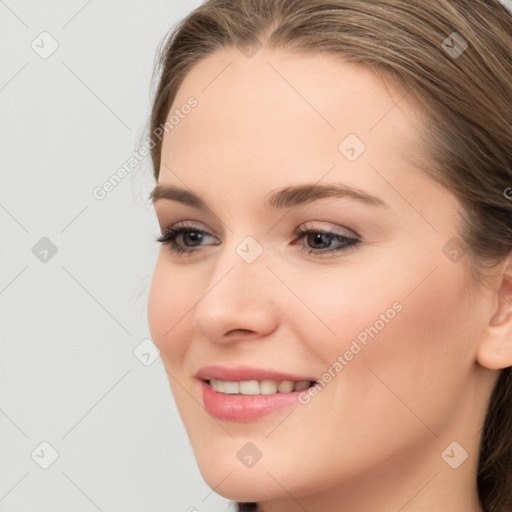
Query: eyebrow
{"type": "Point", "coordinates": [288, 197]}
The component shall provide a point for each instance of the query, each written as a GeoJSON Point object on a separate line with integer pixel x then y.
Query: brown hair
{"type": "Point", "coordinates": [467, 136]}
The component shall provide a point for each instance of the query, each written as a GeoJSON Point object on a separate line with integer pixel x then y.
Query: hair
{"type": "Point", "coordinates": [467, 134]}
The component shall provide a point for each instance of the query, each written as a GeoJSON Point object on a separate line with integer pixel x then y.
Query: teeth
{"type": "Point", "coordinates": [286, 386]}
{"type": "Point", "coordinates": [217, 385]}
{"type": "Point", "coordinates": [268, 387]}
{"type": "Point", "coordinates": [255, 387]}
{"type": "Point", "coordinates": [249, 387]}
{"type": "Point", "coordinates": [299, 386]}
{"type": "Point", "coordinates": [230, 387]}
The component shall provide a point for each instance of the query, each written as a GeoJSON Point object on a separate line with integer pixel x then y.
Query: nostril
{"type": "Point", "coordinates": [239, 331]}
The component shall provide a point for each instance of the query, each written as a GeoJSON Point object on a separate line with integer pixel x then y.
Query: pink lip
{"type": "Point", "coordinates": [244, 407]}
{"type": "Point", "coordinates": [240, 373]}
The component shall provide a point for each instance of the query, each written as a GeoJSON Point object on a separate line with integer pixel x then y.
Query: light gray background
{"type": "Point", "coordinates": [69, 325]}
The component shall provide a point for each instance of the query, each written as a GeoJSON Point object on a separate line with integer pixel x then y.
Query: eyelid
{"type": "Point", "coordinates": [189, 224]}
{"type": "Point", "coordinates": [331, 228]}
{"type": "Point", "coordinates": [171, 214]}
{"type": "Point", "coordinates": [305, 226]}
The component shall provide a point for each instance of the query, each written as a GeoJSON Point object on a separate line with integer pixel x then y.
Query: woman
{"type": "Point", "coordinates": [333, 296]}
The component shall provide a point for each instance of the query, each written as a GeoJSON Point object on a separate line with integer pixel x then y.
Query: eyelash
{"type": "Point", "coordinates": [171, 233]}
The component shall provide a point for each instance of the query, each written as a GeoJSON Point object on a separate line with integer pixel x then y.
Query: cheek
{"type": "Point", "coordinates": [170, 299]}
{"type": "Point", "coordinates": [402, 332]}
{"type": "Point", "coordinates": [435, 327]}
{"type": "Point", "coordinates": [422, 357]}
{"type": "Point", "coordinates": [337, 306]}
{"type": "Point", "coordinates": [403, 310]}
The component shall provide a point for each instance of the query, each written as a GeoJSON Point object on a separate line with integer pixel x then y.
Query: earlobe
{"type": "Point", "coordinates": [495, 348]}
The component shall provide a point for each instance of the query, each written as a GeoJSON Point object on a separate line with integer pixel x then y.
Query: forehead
{"type": "Point", "coordinates": [280, 118]}
{"type": "Point", "coordinates": [281, 103]}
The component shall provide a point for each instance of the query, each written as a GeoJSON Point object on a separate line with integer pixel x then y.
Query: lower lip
{"type": "Point", "coordinates": [244, 407]}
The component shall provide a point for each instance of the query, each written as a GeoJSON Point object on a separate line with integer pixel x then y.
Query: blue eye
{"type": "Point", "coordinates": [320, 241]}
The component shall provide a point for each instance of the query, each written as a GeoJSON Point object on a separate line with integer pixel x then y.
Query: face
{"type": "Point", "coordinates": [315, 251]}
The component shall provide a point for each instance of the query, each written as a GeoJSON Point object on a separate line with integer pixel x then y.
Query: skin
{"type": "Point", "coordinates": [372, 438]}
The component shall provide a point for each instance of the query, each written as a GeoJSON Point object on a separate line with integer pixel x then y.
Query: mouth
{"type": "Point", "coordinates": [245, 394]}
{"type": "Point", "coordinates": [257, 387]}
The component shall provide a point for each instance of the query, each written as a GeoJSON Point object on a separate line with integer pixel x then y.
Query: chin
{"type": "Point", "coordinates": [242, 484]}
{"type": "Point", "coordinates": [227, 475]}
{"type": "Point", "coordinates": [223, 468]}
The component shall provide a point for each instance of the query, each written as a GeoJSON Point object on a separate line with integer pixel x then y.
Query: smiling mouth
{"type": "Point", "coordinates": [258, 387]}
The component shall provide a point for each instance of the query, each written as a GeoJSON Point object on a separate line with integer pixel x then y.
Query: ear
{"type": "Point", "coordinates": [495, 348]}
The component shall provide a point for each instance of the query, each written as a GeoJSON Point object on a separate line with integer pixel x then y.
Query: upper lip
{"type": "Point", "coordinates": [244, 373]}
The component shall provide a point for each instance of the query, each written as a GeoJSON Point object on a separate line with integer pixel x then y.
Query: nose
{"type": "Point", "coordinates": [238, 303]}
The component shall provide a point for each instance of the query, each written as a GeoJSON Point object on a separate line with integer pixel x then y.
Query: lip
{"type": "Point", "coordinates": [240, 373]}
{"type": "Point", "coordinates": [244, 408]}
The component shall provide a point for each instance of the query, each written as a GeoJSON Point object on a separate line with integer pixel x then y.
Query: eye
{"type": "Point", "coordinates": [320, 241]}
{"type": "Point", "coordinates": [183, 238]}
{"type": "Point", "coordinates": [190, 236]}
